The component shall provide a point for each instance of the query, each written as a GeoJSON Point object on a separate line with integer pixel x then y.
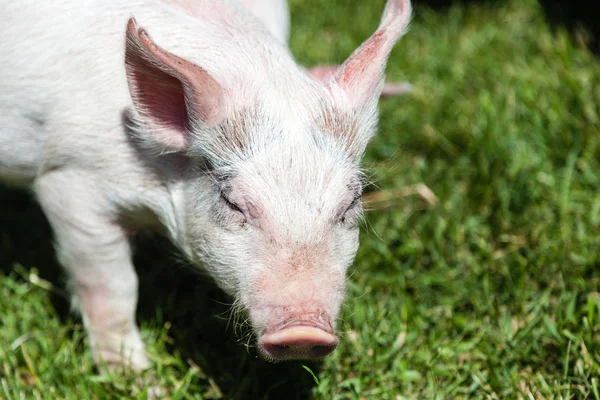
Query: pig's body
{"type": "Point", "coordinates": [221, 140]}
{"type": "Point", "coordinates": [41, 88]}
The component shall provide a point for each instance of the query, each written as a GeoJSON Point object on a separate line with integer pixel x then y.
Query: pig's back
{"type": "Point", "coordinates": [62, 77]}
{"type": "Point", "coordinates": [28, 85]}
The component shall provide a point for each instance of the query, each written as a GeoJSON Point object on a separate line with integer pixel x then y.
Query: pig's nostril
{"type": "Point", "coordinates": [321, 351]}
{"type": "Point", "coordinates": [277, 351]}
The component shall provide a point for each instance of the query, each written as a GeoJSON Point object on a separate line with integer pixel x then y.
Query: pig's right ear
{"type": "Point", "coordinates": [170, 94]}
{"type": "Point", "coordinates": [361, 77]}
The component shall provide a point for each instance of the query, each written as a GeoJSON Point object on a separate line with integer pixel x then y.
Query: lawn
{"type": "Point", "coordinates": [478, 274]}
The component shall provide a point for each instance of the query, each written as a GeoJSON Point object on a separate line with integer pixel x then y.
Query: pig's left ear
{"type": "Point", "coordinates": [361, 77]}
{"type": "Point", "coordinates": [170, 94]}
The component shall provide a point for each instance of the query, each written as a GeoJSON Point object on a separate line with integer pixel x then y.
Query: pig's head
{"type": "Point", "coordinates": [272, 201]}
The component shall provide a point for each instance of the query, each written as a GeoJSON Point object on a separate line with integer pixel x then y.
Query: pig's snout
{"type": "Point", "coordinates": [300, 337]}
{"type": "Point", "coordinates": [298, 342]}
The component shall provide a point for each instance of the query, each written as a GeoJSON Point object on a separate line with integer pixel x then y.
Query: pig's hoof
{"type": "Point", "coordinates": [155, 392]}
{"type": "Point", "coordinates": [119, 352]}
{"type": "Point", "coordinates": [120, 360]}
{"type": "Point", "coordinates": [151, 387]}
{"type": "Point", "coordinates": [136, 361]}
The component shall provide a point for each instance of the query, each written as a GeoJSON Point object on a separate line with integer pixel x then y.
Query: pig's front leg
{"type": "Point", "coordinates": [324, 72]}
{"type": "Point", "coordinates": [94, 249]}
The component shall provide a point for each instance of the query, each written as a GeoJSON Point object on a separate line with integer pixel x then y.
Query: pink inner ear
{"type": "Point", "coordinates": [323, 73]}
{"type": "Point", "coordinates": [169, 92]}
{"type": "Point", "coordinates": [368, 55]}
{"type": "Point", "coordinates": [163, 96]}
{"type": "Point", "coordinates": [361, 76]}
{"type": "Point", "coordinates": [206, 93]}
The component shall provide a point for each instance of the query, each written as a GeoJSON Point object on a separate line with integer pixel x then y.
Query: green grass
{"type": "Point", "coordinates": [490, 292]}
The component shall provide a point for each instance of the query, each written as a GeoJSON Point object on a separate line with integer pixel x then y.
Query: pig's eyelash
{"type": "Point", "coordinates": [355, 201]}
{"type": "Point", "coordinates": [230, 204]}
{"type": "Point", "coordinates": [352, 212]}
{"type": "Point", "coordinates": [352, 205]}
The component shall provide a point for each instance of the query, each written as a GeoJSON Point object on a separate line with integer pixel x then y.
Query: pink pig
{"type": "Point", "coordinates": [194, 119]}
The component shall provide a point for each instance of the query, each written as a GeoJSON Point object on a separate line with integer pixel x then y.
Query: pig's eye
{"type": "Point", "coordinates": [232, 206]}
{"type": "Point", "coordinates": [352, 211]}
{"type": "Point", "coordinates": [354, 202]}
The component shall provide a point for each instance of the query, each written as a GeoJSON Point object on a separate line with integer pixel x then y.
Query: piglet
{"type": "Point", "coordinates": [191, 118]}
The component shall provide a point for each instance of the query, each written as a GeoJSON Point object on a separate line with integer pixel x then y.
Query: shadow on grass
{"type": "Point", "coordinates": [195, 307]}
{"type": "Point", "coordinates": [576, 16]}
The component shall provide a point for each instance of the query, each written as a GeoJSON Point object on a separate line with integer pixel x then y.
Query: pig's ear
{"type": "Point", "coordinates": [170, 94]}
{"type": "Point", "coordinates": [361, 77]}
